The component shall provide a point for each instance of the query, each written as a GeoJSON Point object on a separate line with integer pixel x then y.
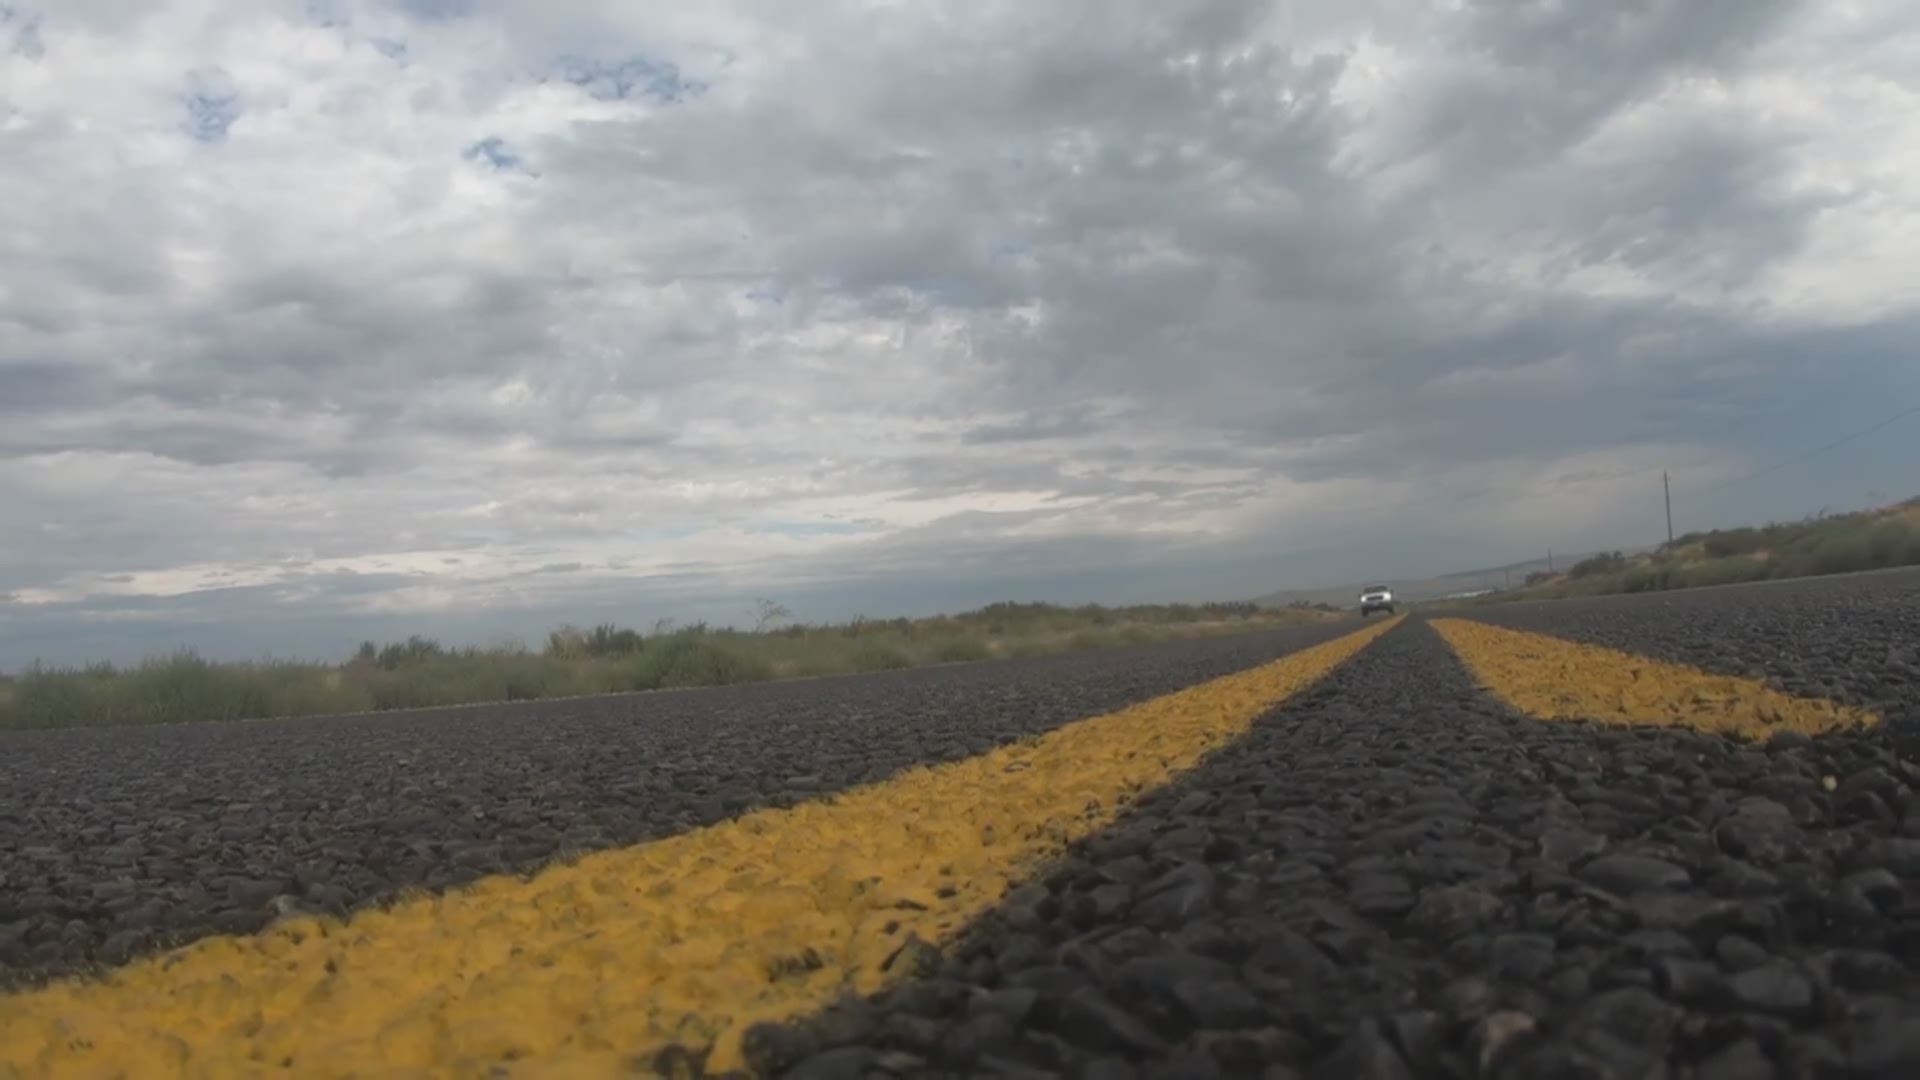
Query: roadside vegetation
{"type": "Point", "coordinates": [605, 659]}
{"type": "Point", "coordinates": [1876, 539]}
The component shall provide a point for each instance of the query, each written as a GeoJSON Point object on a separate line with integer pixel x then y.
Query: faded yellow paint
{"type": "Point", "coordinates": [589, 968]}
{"type": "Point", "coordinates": [1553, 679]}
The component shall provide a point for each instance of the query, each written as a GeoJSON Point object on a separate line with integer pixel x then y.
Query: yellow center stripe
{"type": "Point", "coordinates": [1552, 679]}
{"type": "Point", "coordinates": [591, 967]}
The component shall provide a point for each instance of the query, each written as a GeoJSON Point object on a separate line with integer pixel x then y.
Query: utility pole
{"type": "Point", "coordinates": [1668, 488]}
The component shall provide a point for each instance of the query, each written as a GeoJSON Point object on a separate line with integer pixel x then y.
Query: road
{"type": "Point", "coordinates": [1361, 850]}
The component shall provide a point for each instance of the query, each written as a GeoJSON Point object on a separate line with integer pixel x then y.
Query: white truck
{"type": "Point", "coordinates": [1375, 598]}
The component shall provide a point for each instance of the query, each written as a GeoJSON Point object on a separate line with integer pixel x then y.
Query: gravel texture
{"type": "Point", "coordinates": [1852, 638]}
{"type": "Point", "coordinates": [1392, 876]}
{"type": "Point", "coordinates": [118, 842]}
{"type": "Point", "coordinates": [1395, 877]}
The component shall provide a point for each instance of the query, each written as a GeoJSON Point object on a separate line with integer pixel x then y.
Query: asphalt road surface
{"type": "Point", "coordinates": [116, 842]}
{"type": "Point", "coordinates": [1379, 850]}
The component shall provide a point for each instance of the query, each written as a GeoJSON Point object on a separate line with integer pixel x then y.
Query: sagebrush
{"type": "Point", "coordinates": [421, 672]}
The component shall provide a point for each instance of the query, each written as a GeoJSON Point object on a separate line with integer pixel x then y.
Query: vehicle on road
{"type": "Point", "coordinates": [1375, 598]}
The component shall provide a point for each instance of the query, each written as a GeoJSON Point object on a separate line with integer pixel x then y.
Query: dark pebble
{"type": "Point", "coordinates": [1564, 844]}
{"type": "Point", "coordinates": [1182, 1066]}
{"type": "Point", "coordinates": [1367, 1053]}
{"type": "Point", "coordinates": [773, 1048]}
{"type": "Point", "coordinates": [984, 1034]}
{"type": "Point", "coordinates": [1381, 895]}
{"type": "Point", "coordinates": [1883, 1041]}
{"type": "Point", "coordinates": [1759, 830]}
{"type": "Point", "coordinates": [1089, 1019]}
{"type": "Point", "coordinates": [1219, 1004]}
{"type": "Point", "coordinates": [1737, 953]}
{"type": "Point", "coordinates": [1446, 912]}
{"type": "Point", "coordinates": [1865, 971]}
{"type": "Point", "coordinates": [1743, 1060]}
{"type": "Point", "coordinates": [1524, 957]}
{"type": "Point", "coordinates": [842, 1063]}
{"type": "Point", "coordinates": [1686, 981]}
{"type": "Point", "coordinates": [1628, 874]}
{"type": "Point", "coordinates": [1013, 1003]}
{"type": "Point", "coordinates": [1771, 988]}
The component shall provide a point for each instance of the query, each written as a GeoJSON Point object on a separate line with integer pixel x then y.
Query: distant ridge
{"type": "Point", "coordinates": [1457, 583]}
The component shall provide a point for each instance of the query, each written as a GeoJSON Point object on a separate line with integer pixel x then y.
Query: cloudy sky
{"type": "Point", "coordinates": [322, 319]}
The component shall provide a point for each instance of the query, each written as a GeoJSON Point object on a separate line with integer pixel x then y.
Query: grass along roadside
{"type": "Point", "coordinates": [608, 659]}
{"type": "Point", "coordinates": [1879, 539]}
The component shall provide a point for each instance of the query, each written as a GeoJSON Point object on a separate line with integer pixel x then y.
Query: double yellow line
{"type": "Point", "coordinates": [593, 967]}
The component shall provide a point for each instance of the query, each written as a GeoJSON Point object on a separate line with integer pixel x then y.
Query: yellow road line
{"type": "Point", "coordinates": [1552, 679]}
{"type": "Point", "coordinates": [592, 967]}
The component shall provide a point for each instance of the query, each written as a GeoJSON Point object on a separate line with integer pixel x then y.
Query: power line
{"type": "Point", "coordinates": [1817, 451]}
{"type": "Point", "coordinates": [1515, 493]}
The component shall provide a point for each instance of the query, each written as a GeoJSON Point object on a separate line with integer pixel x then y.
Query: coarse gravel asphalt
{"type": "Point", "coordinates": [1853, 638]}
{"type": "Point", "coordinates": [117, 842]}
{"type": "Point", "coordinates": [1396, 877]}
{"type": "Point", "coordinates": [1393, 875]}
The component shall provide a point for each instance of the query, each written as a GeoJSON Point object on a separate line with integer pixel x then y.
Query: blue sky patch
{"type": "Point", "coordinates": [20, 33]}
{"type": "Point", "coordinates": [623, 80]}
{"type": "Point", "coordinates": [212, 102]}
{"type": "Point", "coordinates": [437, 9]}
{"type": "Point", "coordinates": [332, 14]}
{"type": "Point", "coordinates": [494, 151]}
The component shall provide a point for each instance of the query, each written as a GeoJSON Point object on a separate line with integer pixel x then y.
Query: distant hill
{"type": "Point", "coordinates": [1878, 537]}
{"type": "Point", "coordinates": [1413, 590]}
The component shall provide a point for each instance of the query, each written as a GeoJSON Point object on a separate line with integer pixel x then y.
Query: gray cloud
{"type": "Point", "coordinates": [368, 314]}
{"type": "Point", "coordinates": [1523, 79]}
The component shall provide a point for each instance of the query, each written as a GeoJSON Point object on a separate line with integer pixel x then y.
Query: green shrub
{"type": "Point", "coordinates": [880, 656]}
{"type": "Point", "coordinates": [611, 640]}
{"type": "Point", "coordinates": [1822, 545]}
{"type": "Point", "coordinates": [689, 659]}
{"type": "Point", "coordinates": [303, 690]}
{"type": "Point", "coordinates": [961, 650]}
{"type": "Point", "coordinates": [1729, 571]}
{"type": "Point", "coordinates": [420, 672]}
{"type": "Point", "coordinates": [414, 650]}
{"type": "Point", "coordinates": [1831, 553]}
{"type": "Point", "coordinates": [1087, 640]}
{"type": "Point", "coordinates": [1611, 562]}
{"type": "Point", "coordinates": [422, 685]}
{"type": "Point", "coordinates": [184, 687]}
{"type": "Point", "coordinates": [1729, 542]}
{"type": "Point", "coordinates": [1651, 578]}
{"type": "Point", "coordinates": [51, 698]}
{"type": "Point", "coordinates": [566, 642]}
{"type": "Point", "coordinates": [531, 678]}
{"type": "Point", "coordinates": [1892, 543]}
{"type": "Point", "coordinates": [1029, 647]}
{"type": "Point", "coordinates": [605, 640]}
